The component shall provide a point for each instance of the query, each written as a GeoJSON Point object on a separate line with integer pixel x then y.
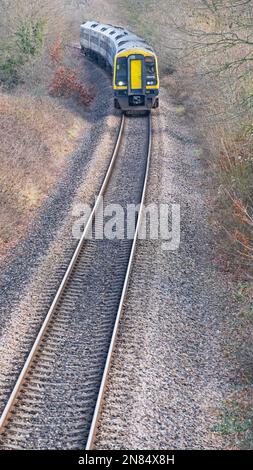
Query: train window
{"type": "Point", "coordinates": [121, 71]}
{"type": "Point", "coordinates": [112, 32]}
{"type": "Point", "coordinates": [94, 25]}
{"type": "Point", "coordinates": [94, 39]}
{"type": "Point", "coordinates": [104, 29]}
{"type": "Point", "coordinates": [119, 36]}
{"type": "Point", "coordinates": [121, 43]}
{"type": "Point", "coordinates": [150, 67]}
{"type": "Point", "coordinates": [85, 36]}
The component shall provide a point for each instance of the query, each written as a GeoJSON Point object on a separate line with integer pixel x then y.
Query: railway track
{"type": "Point", "coordinates": [58, 395]}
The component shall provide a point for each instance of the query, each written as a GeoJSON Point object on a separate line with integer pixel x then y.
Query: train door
{"type": "Point", "coordinates": [136, 74]}
{"type": "Point", "coordinates": [136, 79]}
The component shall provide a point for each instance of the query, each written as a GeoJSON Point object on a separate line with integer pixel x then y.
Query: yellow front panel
{"type": "Point", "coordinates": [127, 54]}
{"type": "Point", "coordinates": [136, 74]}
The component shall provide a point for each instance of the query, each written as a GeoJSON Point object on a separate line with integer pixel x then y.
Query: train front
{"type": "Point", "coordinates": [136, 81]}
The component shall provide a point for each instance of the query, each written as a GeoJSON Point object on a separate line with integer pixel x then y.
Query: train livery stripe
{"type": "Point", "coordinates": [136, 74]}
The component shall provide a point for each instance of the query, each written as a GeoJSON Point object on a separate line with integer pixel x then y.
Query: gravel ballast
{"type": "Point", "coordinates": [170, 375]}
{"type": "Point", "coordinates": [33, 272]}
{"type": "Point", "coordinates": [68, 370]}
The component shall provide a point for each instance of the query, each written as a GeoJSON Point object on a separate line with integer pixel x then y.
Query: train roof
{"type": "Point", "coordinates": [123, 39]}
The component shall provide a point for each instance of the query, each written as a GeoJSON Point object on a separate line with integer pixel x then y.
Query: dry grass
{"type": "Point", "coordinates": [37, 132]}
{"type": "Point", "coordinates": [36, 137]}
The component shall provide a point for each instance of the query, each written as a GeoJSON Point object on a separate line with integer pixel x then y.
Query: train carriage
{"type": "Point", "coordinates": [132, 61]}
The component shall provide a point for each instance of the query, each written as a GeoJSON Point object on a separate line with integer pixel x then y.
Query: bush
{"type": "Point", "coordinates": [66, 84]}
{"type": "Point", "coordinates": [56, 52]}
{"type": "Point", "coordinates": [30, 37]}
{"type": "Point", "coordinates": [28, 43]}
{"type": "Point", "coordinates": [9, 71]}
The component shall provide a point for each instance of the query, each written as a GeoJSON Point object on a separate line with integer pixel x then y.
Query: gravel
{"type": "Point", "coordinates": [32, 273]}
{"type": "Point", "coordinates": [89, 161]}
{"type": "Point", "coordinates": [69, 369]}
{"type": "Point", "coordinates": [170, 373]}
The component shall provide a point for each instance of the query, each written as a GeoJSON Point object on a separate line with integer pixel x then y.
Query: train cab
{"type": "Point", "coordinates": [136, 82]}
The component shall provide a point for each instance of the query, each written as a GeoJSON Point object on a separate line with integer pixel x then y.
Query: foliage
{"type": "Point", "coordinates": [30, 36]}
{"type": "Point", "coordinates": [26, 44]}
{"type": "Point", "coordinates": [56, 52]}
{"type": "Point", "coordinates": [214, 55]}
{"type": "Point", "coordinates": [65, 83]}
{"type": "Point", "coordinates": [9, 70]}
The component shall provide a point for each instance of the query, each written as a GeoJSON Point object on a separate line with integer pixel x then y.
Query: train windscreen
{"type": "Point", "coordinates": [121, 71]}
{"type": "Point", "coordinates": [150, 71]}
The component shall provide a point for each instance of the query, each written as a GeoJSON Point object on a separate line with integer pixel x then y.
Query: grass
{"type": "Point", "coordinates": [244, 295]}
{"type": "Point", "coordinates": [37, 132]}
{"type": "Point", "coordinates": [236, 424]}
{"type": "Point", "coordinates": [231, 422]}
{"type": "Point", "coordinates": [235, 421]}
{"type": "Point", "coordinates": [37, 135]}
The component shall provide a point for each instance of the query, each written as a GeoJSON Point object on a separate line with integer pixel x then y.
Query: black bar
{"type": "Point", "coordinates": [112, 459]}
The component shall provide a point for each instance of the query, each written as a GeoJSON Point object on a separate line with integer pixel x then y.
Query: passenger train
{"type": "Point", "coordinates": [131, 60]}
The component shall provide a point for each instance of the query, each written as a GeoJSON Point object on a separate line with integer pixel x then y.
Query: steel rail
{"type": "Point", "coordinates": [43, 329]}
{"type": "Point", "coordinates": [99, 403]}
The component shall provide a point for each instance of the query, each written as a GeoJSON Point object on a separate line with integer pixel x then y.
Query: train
{"type": "Point", "coordinates": [132, 61]}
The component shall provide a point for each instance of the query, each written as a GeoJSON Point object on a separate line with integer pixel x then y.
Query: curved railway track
{"type": "Point", "coordinates": [58, 395]}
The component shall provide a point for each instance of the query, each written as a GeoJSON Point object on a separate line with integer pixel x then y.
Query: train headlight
{"type": "Point", "coordinates": [121, 83]}
{"type": "Point", "coordinates": [150, 83]}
